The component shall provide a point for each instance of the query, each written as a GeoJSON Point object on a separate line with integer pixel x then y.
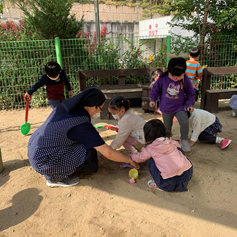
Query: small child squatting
{"type": "Point", "coordinates": [204, 127]}
{"type": "Point", "coordinates": [166, 162]}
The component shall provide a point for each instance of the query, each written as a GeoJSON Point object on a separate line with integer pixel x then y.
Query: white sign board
{"type": "Point", "coordinates": [158, 28]}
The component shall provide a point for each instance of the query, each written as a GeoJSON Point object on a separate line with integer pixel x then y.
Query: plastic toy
{"type": "Point", "coordinates": [108, 126]}
{"type": "Point", "coordinates": [126, 165]}
{"type": "Point", "coordinates": [133, 173]}
{"type": "Point", "coordinates": [25, 128]}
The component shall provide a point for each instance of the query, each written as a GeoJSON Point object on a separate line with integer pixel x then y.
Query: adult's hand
{"type": "Point", "coordinates": [134, 164]}
{"type": "Point", "coordinates": [116, 156]}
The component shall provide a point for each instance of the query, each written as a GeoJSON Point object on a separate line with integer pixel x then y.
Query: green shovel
{"type": "Point", "coordinates": [25, 128]}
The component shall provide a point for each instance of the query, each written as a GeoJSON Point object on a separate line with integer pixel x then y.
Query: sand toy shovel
{"type": "Point", "coordinates": [25, 128]}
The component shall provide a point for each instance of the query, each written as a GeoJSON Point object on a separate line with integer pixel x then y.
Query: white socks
{"type": "Point", "coordinates": [219, 139]}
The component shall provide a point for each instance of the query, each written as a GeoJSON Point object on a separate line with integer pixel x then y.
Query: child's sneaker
{"type": "Point", "coordinates": [152, 184]}
{"type": "Point", "coordinates": [225, 143]}
{"type": "Point", "coordinates": [233, 113]}
{"type": "Point", "coordinates": [184, 145]}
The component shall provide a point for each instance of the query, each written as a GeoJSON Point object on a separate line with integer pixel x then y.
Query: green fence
{"type": "Point", "coordinates": [22, 63]}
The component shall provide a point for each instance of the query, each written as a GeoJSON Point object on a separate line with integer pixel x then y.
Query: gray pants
{"type": "Point", "coordinates": [182, 117]}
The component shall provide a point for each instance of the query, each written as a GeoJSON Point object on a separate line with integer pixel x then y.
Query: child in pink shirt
{"type": "Point", "coordinates": [167, 164]}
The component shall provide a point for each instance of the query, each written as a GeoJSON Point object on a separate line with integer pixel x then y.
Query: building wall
{"type": "Point", "coordinates": [107, 12]}
{"type": "Point", "coordinates": [114, 28]}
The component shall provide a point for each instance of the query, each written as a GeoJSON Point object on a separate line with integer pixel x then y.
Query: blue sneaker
{"type": "Point", "coordinates": [68, 182]}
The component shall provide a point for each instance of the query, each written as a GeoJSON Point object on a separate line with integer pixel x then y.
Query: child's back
{"type": "Point", "coordinates": [167, 164]}
{"type": "Point", "coordinates": [168, 159]}
{"type": "Point", "coordinates": [194, 69]}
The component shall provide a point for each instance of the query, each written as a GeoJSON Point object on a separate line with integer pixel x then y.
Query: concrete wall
{"type": "Point", "coordinates": [107, 12]}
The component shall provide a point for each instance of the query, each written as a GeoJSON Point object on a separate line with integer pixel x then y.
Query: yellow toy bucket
{"type": "Point", "coordinates": [133, 173]}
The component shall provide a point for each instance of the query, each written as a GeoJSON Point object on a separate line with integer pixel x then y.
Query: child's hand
{"type": "Point", "coordinates": [191, 143]}
{"type": "Point", "coordinates": [134, 164]}
{"type": "Point", "coordinates": [190, 109]}
{"type": "Point", "coordinates": [70, 93]}
{"type": "Point", "coordinates": [152, 104]}
{"type": "Point", "coordinates": [177, 140]}
{"type": "Point", "coordinates": [27, 95]}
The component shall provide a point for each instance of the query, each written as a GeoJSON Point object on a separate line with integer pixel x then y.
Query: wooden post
{"type": "Point", "coordinates": [206, 81]}
{"type": "Point", "coordinates": [1, 163]}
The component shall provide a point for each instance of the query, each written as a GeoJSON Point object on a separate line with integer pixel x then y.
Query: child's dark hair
{"type": "Point", "coordinates": [155, 73]}
{"type": "Point", "coordinates": [154, 129]}
{"type": "Point", "coordinates": [52, 69]}
{"type": "Point", "coordinates": [118, 102]}
{"type": "Point", "coordinates": [194, 52]}
{"type": "Point", "coordinates": [177, 66]}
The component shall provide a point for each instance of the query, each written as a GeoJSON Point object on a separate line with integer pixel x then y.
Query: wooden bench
{"type": "Point", "coordinates": [128, 91]}
{"type": "Point", "coordinates": [146, 89]}
{"type": "Point", "coordinates": [209, 98]}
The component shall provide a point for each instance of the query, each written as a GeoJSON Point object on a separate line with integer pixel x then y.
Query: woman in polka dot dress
{"type": "Point", "coordinates": [67, 141]}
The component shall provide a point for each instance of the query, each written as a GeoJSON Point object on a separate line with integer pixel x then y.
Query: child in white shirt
{"type": "Point", "coordinates": [204, 127]}
{"type": "Point", "coordinates": [130, 133]}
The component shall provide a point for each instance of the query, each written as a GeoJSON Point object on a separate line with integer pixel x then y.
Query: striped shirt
{"type": "Point", "coordinates": [193, 71]}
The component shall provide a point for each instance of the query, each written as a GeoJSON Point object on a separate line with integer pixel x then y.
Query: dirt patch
{"type": "Point", "coordinates": [106, 204]}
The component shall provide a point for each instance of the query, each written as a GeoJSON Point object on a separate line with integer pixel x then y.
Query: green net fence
{"type": "Point", "coordinates": [111, 53]}
{"type": "Point", "coordinates": [216, 51]}
{"type": "Point", "coordinates": [22, 63]}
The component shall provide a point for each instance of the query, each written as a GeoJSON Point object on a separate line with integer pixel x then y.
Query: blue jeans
{"type": "Point", "coordinates": [55, 103]}
{"type": "Point", "coordinates": [176, 183]}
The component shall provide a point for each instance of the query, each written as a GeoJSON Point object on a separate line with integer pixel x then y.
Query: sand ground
{"type": "Point", "coordinates": [106, 204]}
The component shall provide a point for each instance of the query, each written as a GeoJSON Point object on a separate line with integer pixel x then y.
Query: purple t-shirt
{"type": "Point", "coordinates": [174, 96]}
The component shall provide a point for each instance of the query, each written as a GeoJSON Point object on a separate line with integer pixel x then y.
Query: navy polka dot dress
{"type": "Point", "coordinates": [51, 153]}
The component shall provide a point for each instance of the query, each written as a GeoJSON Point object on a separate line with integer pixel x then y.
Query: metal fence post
{"type": "Point", "coordinates": [168, 48]}
{"type": "Point", "coordinates": [58, 51]}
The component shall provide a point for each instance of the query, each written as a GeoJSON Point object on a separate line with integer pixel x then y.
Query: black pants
{"type": "Point", "coordinates": [208, 138]}
{"type": "Point", "coordinates": [91, 163]}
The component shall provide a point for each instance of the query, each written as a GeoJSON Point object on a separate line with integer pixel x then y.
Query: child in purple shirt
{"type": "Point", "coordinates": [176, 95]}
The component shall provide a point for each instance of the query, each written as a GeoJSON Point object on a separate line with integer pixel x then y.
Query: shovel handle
{"type": "Point", "coordinates": [27, 99]}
